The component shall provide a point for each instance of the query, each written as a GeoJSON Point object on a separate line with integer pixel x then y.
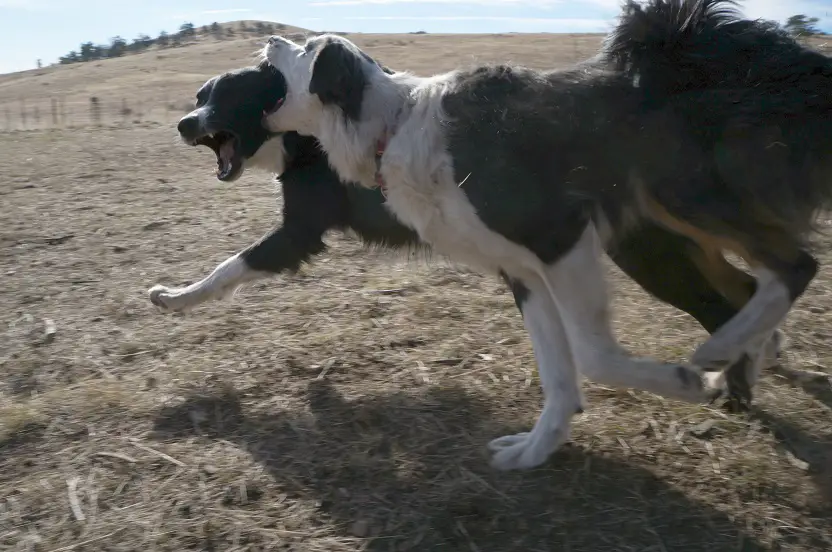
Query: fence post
{"type": "Point", "coordinates": [37, 116]}
{"type": "Point", "coordinates": [54, 105]}
{"type": "Point", "coordinates": [95, 111]}
{"type": "Point", "coordinates": [23, 114]}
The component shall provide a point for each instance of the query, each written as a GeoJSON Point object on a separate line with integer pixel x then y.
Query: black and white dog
{"type": "Point", "coordinates": [712, 126]}
{"type": "Point", "coordinates": [228, 116]}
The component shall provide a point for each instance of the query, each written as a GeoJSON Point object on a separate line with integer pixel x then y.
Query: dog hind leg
{"type": "Point", "coordinates": [579, 285]}
{"type": "Point", "coordinates": [779, 285]}
{"type": "Point", "coordinates": [674, 269]}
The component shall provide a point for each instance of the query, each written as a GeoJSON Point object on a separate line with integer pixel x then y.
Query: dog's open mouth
{"type": "Point", "coordinates": [226, 146]}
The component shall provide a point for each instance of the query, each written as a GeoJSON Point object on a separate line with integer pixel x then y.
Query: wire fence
{"type": "Point", "coordinates": [96, 111]}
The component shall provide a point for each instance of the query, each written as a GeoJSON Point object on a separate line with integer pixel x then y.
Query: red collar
{"type": "Point", "coordinates": [381, 145]}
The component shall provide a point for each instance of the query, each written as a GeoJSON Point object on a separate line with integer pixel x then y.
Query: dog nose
{"type": "Point", "coordinates": [188, 127]}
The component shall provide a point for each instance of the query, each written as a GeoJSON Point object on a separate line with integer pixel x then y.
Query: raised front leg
{"type": "Point", "coordinates": [280, 250]}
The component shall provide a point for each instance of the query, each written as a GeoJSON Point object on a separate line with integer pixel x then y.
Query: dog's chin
{"type": "Point", "coordinates": [235, 172]}
{"type": "Point", "coordinates": [226, 146]}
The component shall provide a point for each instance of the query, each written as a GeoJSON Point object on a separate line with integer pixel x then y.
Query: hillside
{"type": "Point", "coordinates": [157, 85]}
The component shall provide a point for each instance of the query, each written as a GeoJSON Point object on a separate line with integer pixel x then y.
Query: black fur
{"type": "Point", "coordinates": [338, 78]}
{"type": "Point", "coordinates": [316, 201]}
{"type": "Point", "coordinates": [755, 100]}
{"type": "Point", "coordinates": [535, 132]}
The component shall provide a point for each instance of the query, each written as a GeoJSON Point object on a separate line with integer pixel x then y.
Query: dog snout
{"type": "Point", "coordinates": [189, 127]}
{"type": "Point", "coordinates": [276, 40]}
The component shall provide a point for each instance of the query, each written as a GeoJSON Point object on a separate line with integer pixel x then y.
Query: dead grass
{"type": "Point", "coordinates": [316, 412]}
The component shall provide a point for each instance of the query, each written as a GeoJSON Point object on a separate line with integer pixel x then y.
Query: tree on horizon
{"type": "Point", "coordinates": [802, 25]}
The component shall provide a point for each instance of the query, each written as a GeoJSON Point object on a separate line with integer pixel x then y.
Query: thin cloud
{"type": "Point", "coordinates": [232, 10]}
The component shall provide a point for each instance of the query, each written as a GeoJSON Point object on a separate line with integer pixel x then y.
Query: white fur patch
{"type": "Point", "coordinates": [270, 157]}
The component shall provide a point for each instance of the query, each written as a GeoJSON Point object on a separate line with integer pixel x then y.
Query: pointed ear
{"type": "Point", "coordinates": [338, 78]}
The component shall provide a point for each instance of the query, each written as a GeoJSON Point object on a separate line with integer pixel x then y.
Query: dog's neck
{"type": "Point", "coordinates": [381, 145]}
{"type": "Point", "coordinates": [353, 147]}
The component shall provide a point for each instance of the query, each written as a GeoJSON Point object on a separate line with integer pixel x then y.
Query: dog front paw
{"type": "Point", "coordinates": [169, 300]}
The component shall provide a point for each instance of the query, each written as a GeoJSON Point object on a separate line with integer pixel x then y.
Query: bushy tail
{"type": "Point", "coordinates": [755, 98]}
{"type": "Point", "coordinates": [671, 46]}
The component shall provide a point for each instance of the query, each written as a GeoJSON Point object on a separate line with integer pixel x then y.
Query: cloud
{"type": "Point", "coordinates": [220, 12]}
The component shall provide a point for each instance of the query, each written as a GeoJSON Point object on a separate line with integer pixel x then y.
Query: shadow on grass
{"type": "Point", "coordinates": [814, 450]}
{"type": "Point", "coordinates": [818, 387]}
{"type": "Point", "coordinates": [412, 470]}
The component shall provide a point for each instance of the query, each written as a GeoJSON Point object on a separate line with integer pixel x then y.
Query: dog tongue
{"type": "Point", "coordinates": [227, 151]}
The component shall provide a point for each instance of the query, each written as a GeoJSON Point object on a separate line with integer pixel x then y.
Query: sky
{"type": "Point", "coordinates": [46, 29]}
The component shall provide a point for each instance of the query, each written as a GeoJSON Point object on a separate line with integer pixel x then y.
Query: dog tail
{"type": "Point", "coordinates": [671, 46]}
{"type": "Point", "coordinates": [755, 98]}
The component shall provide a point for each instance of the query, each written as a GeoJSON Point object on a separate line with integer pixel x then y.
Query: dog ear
{"type": "Point", "coordinates": [274, 93]}
{"type": "Point", "coordinates": [338, 78]}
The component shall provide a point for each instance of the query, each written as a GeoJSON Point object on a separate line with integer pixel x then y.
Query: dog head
{"type": "Point", "coordinates": [328, 72]}
{"type": "Point", "coordinates": [229, 119]}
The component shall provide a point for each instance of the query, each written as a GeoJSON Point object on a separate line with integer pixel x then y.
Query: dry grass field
{"type": "Point", "coordinates": [346, 407]}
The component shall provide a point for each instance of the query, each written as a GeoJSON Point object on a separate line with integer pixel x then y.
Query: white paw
{"type": "Point", "coordinates": [169, 299]}
{"type": "Point", "coordinates": [526, 450]}
{"type": "Point", "coordinates": [715, 385]}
